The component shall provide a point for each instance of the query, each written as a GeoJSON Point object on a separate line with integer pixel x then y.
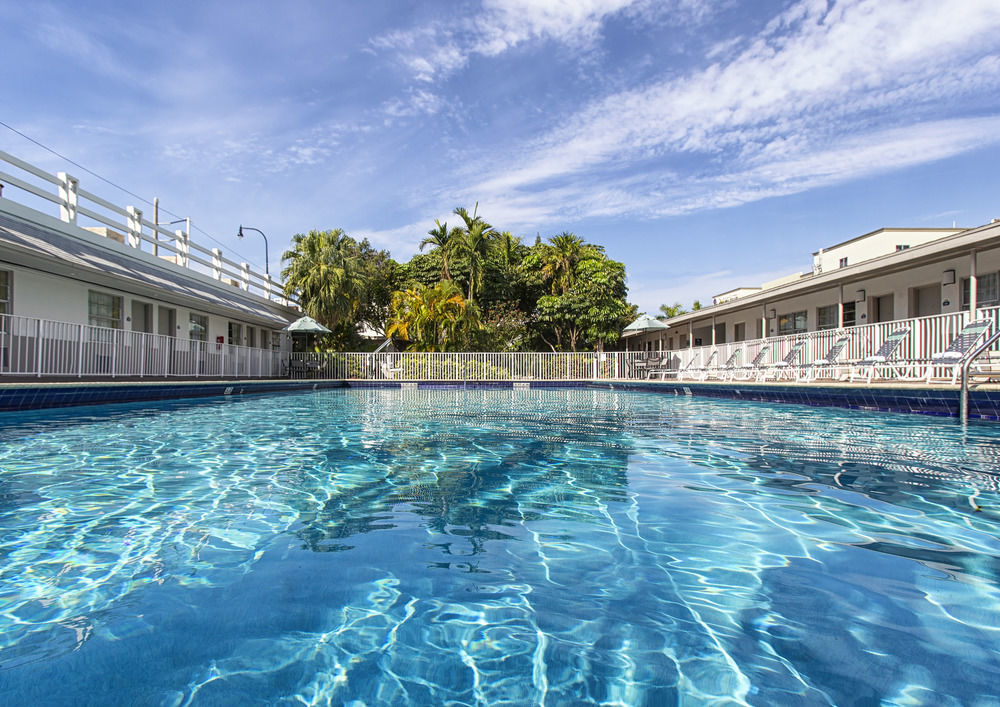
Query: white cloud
{"type": "Point", "coordinates": [823, 95]}
{"type": "Point", "coordinates": [439, 49]}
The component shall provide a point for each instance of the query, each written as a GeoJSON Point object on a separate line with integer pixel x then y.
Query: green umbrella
{"type": "Point", "coordinates": [306, 325]}
{"type": "Point", "coordinates": [643, 324]}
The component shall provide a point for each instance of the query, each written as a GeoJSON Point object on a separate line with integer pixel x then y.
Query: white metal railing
{"type": "Point", "coordinates": [44, 348]}
{"type": "Point", "coordinates": [926, 336]}
{"type": "Point", "coordinates": [80, 207]}
{"type": "Point", "coordinates": [474, 366]}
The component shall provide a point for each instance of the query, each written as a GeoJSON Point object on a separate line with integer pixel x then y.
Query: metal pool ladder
{"type": "Point", "coordinates": [963, 401]}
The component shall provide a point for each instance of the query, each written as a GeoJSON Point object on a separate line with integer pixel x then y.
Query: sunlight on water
{"type": "Point", "coordinates": [496, 546]}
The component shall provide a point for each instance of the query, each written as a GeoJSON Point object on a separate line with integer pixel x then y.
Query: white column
{"type": "Point", "coordinates": [134, 224]}
{"type": "Point", "coordinates": [973, 289]}
{"type": "Point", "coordinates": [713, 330]}
{"type": "Point", "coordinates": [69, 188]}
{"type": "Point", "coordinates": [183, 247]}
{"type": "Point", "coordinates": [245, 276]}
{"type": "Point", "coordinates": [840, 307]}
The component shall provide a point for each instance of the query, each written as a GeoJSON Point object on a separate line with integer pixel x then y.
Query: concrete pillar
{"type": "Point", "coordinates": [973, 290]}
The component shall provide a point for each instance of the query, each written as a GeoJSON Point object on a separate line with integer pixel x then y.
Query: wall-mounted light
{"type": "Point", "coordinates": [859, 296]}
{"type": "Point", "coordinates": [771, 314]}
{"type": "Point", "coordinates": [948, 277]}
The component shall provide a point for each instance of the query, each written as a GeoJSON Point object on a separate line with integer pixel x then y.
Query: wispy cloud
{"type": "Point", "coordinates": [822, 95]}
{"type": "Point", "coordinates": [438, 49]}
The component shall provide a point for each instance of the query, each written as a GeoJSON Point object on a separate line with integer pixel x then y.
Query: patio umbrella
{"type": "Point", "coordinates": [306, 325]}
{"type": "Point", "coordinates": [643, 324]}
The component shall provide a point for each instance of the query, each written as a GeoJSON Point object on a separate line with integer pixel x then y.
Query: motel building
{"type": "Point", "coordinates": [89, 288]}
{"type": "Point", "coordinates": [931, 281]}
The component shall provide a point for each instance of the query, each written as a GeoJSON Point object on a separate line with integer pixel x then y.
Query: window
{"type": "Point", "coordinates": [235, 334]}
{"type": "Point", "coordinates": [4, 292]}
{"type": "Point", "coordinates": [987, 291]}
{"type": "Point", "coordinates": [104, 310]}
{"type": "Point", "coordinates": [275, 341]}
{"type": "Point", "coordinates": [197, 327]}
{"type": "Point", "coordinates": [827, 317]}
{"type": "Point", "coordinates": [849, 314]}
{"type": "Point", "coordinates": [843, 262]}
{"type": "Point", "coordinates": [901, 247]}
{"type": "Point", "coordinates": [793, 323]}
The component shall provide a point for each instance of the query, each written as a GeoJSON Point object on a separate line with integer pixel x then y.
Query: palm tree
{"type": "Point", "coordinates": [561, 256]}
{"type": "Point", "coordinates": [433, 318]}
{"type": "Point", "coordinates": [324, 271]}
{"type": "Point", "coordinates": [442, 241]}
{"type": "Point", "coordinates": [475, 240]}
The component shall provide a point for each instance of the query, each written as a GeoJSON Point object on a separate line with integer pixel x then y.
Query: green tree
{"type": "Point", "coordinates": [560, 257]}
{"type": "Point", "coordinates": [325, 274]}
{"type": "Point", "coordinates": [434, 318]}
{"type": "Point", "coordinates": [600, 283]}
{"type": "Point", "coordinates": [696, 305]}
{"type": "Point", "coordinates": [474, 242]}
{"type": "Point", "coordinates": [441, 239]}
{"type": "Point", "coordinates": [673, 310]}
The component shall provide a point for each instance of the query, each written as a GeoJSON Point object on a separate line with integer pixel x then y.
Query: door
{"type": "Point", "coordinates": [142, 317]}
{"type": "Point", "coordinates": [166, 324]}
{"type": "Point", "coordinates": [925, 301]}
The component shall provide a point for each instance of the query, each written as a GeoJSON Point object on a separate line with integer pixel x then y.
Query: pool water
{"type": "Point", "coordinates": [496, 547]}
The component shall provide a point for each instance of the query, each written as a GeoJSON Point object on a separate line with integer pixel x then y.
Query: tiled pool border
{"type": "Point", "coordinates": [984, 404]}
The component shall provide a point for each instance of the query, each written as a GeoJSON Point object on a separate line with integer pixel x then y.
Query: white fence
{"type": "Point", "coordinates": [926, 336]}
{"type": "Point", "coordinates": [43, 348]}
{"type": "Point", "coordinates": [78, 206]}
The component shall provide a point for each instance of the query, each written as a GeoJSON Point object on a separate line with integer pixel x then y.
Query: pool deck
{"type": "Point", "coordinates": [909, 397]}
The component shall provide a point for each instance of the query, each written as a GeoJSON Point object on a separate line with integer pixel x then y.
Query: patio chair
{"type": "Point", "coordinates": [827, 364]}
{"type": "Point", "coordinates": [700, 372]}
{"type": "Point", "coordinates": [725, 370]}
{"type": "Point", "coordinates": [881, 359]}
{"type": "Point", "coordinates": [665, 370]}
{"type": "Point", "coordinates": [784, 366]}
{"type": "Point", "coordinates": [954, 356]}
{"type": "Point", "coordinates": [750, 370]}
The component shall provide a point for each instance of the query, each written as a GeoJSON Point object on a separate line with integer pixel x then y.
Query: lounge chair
{"type": "Point", "coordinates": [700, 372]}
{"type": "Point", "coordinates": [954, 356]}
{"type": "Point", "coordinates": [784, 366]}
{"type": "Point", "coordinates": [827, 364]}
{"type": "Point", "coordinates": [726, 370]}
{"type": "Point", "coordinates": [882, 357]}
{"type": "Point", "coordinates": [750, 370]}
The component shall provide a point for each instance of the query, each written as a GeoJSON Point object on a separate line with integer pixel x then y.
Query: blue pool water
{"type": "Point", "coordinates": [496, 547]}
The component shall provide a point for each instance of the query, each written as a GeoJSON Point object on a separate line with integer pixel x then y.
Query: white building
{"type": "Point", "coordinates": [885, 275]}
{"type": "Point", "coordinates": [71, 259]}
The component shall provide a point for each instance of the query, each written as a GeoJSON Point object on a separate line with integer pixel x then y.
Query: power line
{"type": "Point", "coordinates": [116, 186]}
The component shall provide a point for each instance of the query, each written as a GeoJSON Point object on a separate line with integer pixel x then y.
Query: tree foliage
{"type": "Point", "coordinates": [474, 289]}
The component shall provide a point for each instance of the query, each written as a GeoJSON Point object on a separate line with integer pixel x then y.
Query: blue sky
{"type": "Point", "coordinates": [706, 144]}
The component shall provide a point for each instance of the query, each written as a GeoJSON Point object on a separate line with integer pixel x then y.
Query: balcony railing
{"type": "Point", "coordinates": [40, 190]}
{"type": "Point", "coordinates": [50, 349]}
{"type": "Point", "coordinates": [43, 348]}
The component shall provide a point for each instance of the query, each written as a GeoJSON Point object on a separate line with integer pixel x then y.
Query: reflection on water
{"type": "Point", "coordinates": [556, 546]}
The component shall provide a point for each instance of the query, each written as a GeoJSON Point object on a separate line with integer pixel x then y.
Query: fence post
{"type": "Point", "coordinates": [38, 349]}
{"type": "Point", "coordinates": [216, 263]}
{"type": "Point", "coordinates": [245, 277]}
{"type": "Point", "coordinates": [79, 354]}
{"type": "Point", "coordinates": [134, 223]}
{"type": "Point", "coordinates": [69, 197]}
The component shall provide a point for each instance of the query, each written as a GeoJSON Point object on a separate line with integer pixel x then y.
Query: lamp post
{"type": "Point", "coordinates": [251, 228]}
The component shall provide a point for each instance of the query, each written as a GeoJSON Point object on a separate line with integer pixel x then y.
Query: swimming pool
{"type": "Point", "coordinates": [490, 546]}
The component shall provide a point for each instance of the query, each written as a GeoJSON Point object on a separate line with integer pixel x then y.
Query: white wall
{"type": "Point", "coordinates": [44, 296]}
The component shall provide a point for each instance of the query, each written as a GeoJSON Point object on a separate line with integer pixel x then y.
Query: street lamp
{"type": "Point", "coordinates": [251, 228]}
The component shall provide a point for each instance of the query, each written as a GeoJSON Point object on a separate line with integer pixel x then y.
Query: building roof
{"type": "Point", "coordinates": [103, 262]}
